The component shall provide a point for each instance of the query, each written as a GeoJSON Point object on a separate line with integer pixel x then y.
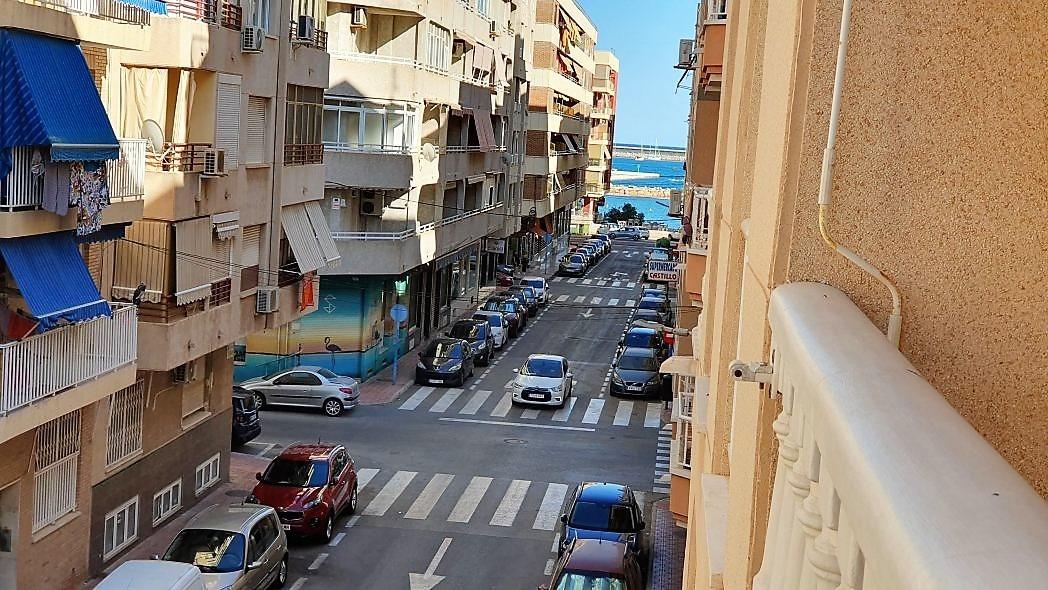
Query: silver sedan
{"type": "Point", "coordinates": [308, 387]}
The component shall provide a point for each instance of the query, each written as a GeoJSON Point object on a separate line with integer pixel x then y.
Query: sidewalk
{"type": "Point", "coordinates": [242, 470]}
{"type": "Point", "coordinates": [667, 549]}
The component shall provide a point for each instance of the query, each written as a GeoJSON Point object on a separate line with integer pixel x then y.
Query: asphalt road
{"type": "Point", "coordinates": [460, 490]}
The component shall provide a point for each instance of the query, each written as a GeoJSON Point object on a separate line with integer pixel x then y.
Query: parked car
{"type": "Point", "coordinates": [497, 323]}
{"type": "Point", "coordinates": [635, 371]}
{"type": "Point", "coordinates": [478, 334]}
{"type": "Point", "coordinates": [604, 512]}
{"type": "Point", "coordinates": [519, 306]}
{"type": "Point", "coordinates": [647, 315]}
{"type": "Point", "coordinates": [541, 287]}
{"type": "Point", "coordinates": [543, 379]}
{"type": "Point", "coordinates": [644, 337]}
{"type": "Point", "coordinates": [508, 309]}
{"type": "Point", "coordinates": [309, 486]}
{"type": "Point", "coordinates": [603, 246]}
{"type": "Point", "coordinates": [238, 547]}
{"type": "Point", "coordinates": [446, 361]}
{"type": "Point", "coordinates": [660, 293]}
{"type": "Point", "coordinates": [592, 565]}
{"type": "Point", "coordinates": [646, 285]}
{"type": "Point", "coordinates": [643, 232]}
{"type": "Point", "coordinates": [154, 574]}
{"type": "Point", "coordinates": [305, 386]}
{"type": "Point", "coordinates": [247, 424]}
{"type": "Point", "coordinates": [504, 275]}
{"type": "Point", "coordinates": [573, 266]}
{"type": "Point", "coordinates": [659, 254]}
{"type": "Point", "coordinates": [625, 233]}
{"type": "Point", "coordinates": [660, 305]}
{"type": "Point", "coordinates": [530, 298]}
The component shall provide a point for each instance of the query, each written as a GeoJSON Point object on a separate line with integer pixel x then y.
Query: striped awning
{"type": "Point", "coordinates": [309, 236]}
{"type": "Point", "coordinates": [154, 6]}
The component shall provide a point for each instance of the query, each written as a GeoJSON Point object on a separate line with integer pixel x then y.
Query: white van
{"type": "Point", "coordinates": [153, 574]}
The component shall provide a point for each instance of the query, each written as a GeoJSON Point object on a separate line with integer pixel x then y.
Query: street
{"type": "Point", "coordinates": [461, 490]}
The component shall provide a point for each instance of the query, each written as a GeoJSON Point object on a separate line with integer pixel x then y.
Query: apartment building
{"type": "Point", "coordinates": [162, 208]}
{"type": "Point", "coordinates": [875, 256]}
{"type": "Point", "coordinates": [423, 138]}
{"type": "Point", "coordinates": [601, 143]}
{"type": "Point", "coordinates": [560, 108]}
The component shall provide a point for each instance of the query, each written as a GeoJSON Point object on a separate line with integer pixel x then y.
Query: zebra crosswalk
{"type": "Point", "coordinates": [661, 483]}
{"type": "Point", "coordinates": [484, 402]}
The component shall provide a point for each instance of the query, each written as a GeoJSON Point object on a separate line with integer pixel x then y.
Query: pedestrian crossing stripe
{"type": "Point", "coordinates": [613, 302]}
{"type": "Point", "coordinates": [587, 281]}
{"type": "Point", "coordinates": [512, 500]}
{"type": "Point", "coordinates": [562, 299]}
{"type": "Point", "coordinates": [631, 285]}
{"type": "Point", "coordinates": [631, 302]}
{"type": "Point", "coordinates": [596, 300]}
{"type": "Point", "coordinates": [573, 280]}
{"type": "Point", "coordinates": [580, 298]}
{"type": "Point", "coordinates": [389, 493]}
{"type": "Point", "coordinates": [617, 284]}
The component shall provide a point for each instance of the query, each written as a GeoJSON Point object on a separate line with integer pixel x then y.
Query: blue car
{"type": "Point", "coordinates": [603, 511]}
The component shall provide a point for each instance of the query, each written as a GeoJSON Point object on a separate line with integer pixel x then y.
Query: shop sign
{"type": "Point", "coordinates": [663, 271]}
{"type": "Point", "coordinates": [495, 246]}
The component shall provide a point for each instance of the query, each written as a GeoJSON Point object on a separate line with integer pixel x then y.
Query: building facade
{"type": "Point", "coordinates": [864, 396]}
{"type": "Point", "coordinates": [177, 205]}
{"type": "Point", "coordinates": [601, 144]}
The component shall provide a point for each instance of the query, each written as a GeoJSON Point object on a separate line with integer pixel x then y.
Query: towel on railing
{"type": "Point", "coordinates": [89, 190]}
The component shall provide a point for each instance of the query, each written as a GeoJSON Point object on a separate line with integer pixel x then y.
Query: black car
{"type": "Point", "coordinates": [529, 297]}
{"type": "Point", "coordinates": [606, 512]}
{"type": "Point", "coordinates": [509, 309]}
{"type": "Point", "coordinates": [572, 266]}
{"type": "Point", "coordinates": [478, 334]}
{"type": "Point", "coordinates": [636, 372]}
{"type": "Point", "coordinates": [643, 337]}
{"type": "Point", "coordinates": [522, 303]}
{"type": "Point", "coordinates": [647, 315]}
{"type": "Point", "coordinates": [247, 424]}
{"type": "Point", "coordinates": [658, 304]}
{"type": "Point", "coordinates": [446, 361]}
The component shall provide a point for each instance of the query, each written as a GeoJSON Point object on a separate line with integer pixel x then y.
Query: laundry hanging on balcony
{"type": "Point", "coordinates": [53, 279]}
{"type": "Point", "coordinates": [48, 98]}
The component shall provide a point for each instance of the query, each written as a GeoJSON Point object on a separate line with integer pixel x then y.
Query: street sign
{"type": "Point", "coordinates": [398, 313]}
{"type": "Point", "coordinates": [495, 246]}
{"type": "Point", "coordinates": [662, 271]}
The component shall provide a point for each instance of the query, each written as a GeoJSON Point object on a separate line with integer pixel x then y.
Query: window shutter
{"type": "Point", "coordinates": [227, 127]}
{"type": "Point", "coordinates": [250, 245]}
{"type": "Point", "coordinates": [255, 134]}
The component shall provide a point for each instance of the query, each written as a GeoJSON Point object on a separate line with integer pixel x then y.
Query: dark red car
{"type": "Point", "coordinates": [309, 485]}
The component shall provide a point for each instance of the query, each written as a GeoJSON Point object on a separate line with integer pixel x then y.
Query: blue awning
{"type": "Point", "coordinates": [108, 233]}
{"type": "Point", "coordinates": [47, 97]}
{"type": "Point", "coordinates": [53, 279]}
{"type": "Point", "coordinates": [154, 6]}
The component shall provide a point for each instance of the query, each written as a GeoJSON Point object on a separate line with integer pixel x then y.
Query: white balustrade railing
{"type": "Point", "coordinates": [880, 483]}
{"type": "Point", "coordinates": [43, 365]}
{"type": "Point", "coordinates": [403, 235]}
{"type": "Point", "coordinates": [418, 65]}
{"type": "Point", "coordinates": [111, 10]}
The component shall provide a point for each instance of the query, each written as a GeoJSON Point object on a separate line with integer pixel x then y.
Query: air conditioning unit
{"type": "Point", "coordinates": [371, 203]}
{"type": "Point", "coordinates": [686, 54]}
{"type": "Point", "coordinates": [305, 30]}
{"type": "Point", "coordinates": [214, 162]}
{"type": "Point", "coordinates": [267, 300]}
{"type": "Point", "coordinates": [493, 29]}
{"type": "Point", "coordinates": [184, 373]}
{"type": "Point", "coordinates": [251, 39]}
{"type": "Point", "coordinates": [360, 17]}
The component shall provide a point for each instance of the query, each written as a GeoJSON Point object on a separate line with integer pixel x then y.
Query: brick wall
{"type": "Point", "coordinates": [536, 143]}
{"type": "Point", "coordinates": [546, 12]}
{"type": "Point", "coordinates": [545, 53]}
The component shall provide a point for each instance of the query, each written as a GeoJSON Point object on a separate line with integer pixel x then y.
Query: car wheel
{"type": "Point", "coordinates": [329, 527]}
{"type": "Point", "coordinates": [351, 508]}
{"type": "Point", "coordinates": [332, 407]}
{"type": "Point", "coordinates": [260, 400]}
{"type": "Point", "coordinates": [281, 578]}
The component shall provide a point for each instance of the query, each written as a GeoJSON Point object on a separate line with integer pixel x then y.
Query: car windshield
{"type": "Point", "coordinates": [600, 517]}
{"type": "Point", "coordinates": [509, 307]}
{"type": "Point", "coordinates": [326, 373]}
{"type": "Point", "coordinates": [211, 551]}
{"type": "Point", "coordinates": [577, 259]}
{"type": "Point", "coordinates": [587, 581]}
{"type": "Point", "coordinates": [444, 350]}
{"type": "Point", "coordinates": [631, 362]}
{"type": "Point", "coordinates": [494, 320]}
{"type": "Point", "coordinates": [639, 339]}
{"type": "Point", "coordinates": [648, 303]}
{"type": "Point", "coordinates": [536, 283]}
{"type": "Point", "coordinates": [493, 306]}
{"type": "Point", "coordinates": [466, 331]}
{"type": "Point", "coordinates": [297, 473]}
{"type": "Point", "coordinates": [543, 368]}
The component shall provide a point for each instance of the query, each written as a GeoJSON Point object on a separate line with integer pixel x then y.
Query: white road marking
{"type": "Point", "coordinates": [631, 285]}
{"type": "Point", "coordinates": [425, 502]}
{"type": "Point", "coordinates": [503, 406]}
{"type": "Point", "coordinates": [338, 539]}
{"type": "Point", "coordinates": [416, 399]}
{"type": "Point", "coordinates": [549, 511]}
{"type": "Point", "coordinates": [389, 493]}
{"type": "Point", "coordinates": [617, 284]}
{"type": "Point", "coordinates": [317, 562]}
{"type": "Point", "coordinates": [507, 509]}
{"type": "Point", "coordinates": [623, 413]}
{"type": "Point", "coordinates": [573, 280]}
{"type": "Point", "coordinates": [587, 281]}
{"type": "Point", "coordinates": [580, 299]}
{"type": "Point", "coordinates": [562, 299]}
{"type": "Point", "coordinates": [530, 414]}
{"type": "Point", "coordinates": [475, 402]}
{"type": "Point", "coordinates": [596, 300]}
{"type": "Point", "coordinates": [556, 540]}
{"type": "Point", "coordinates": [364, 476]}
{"type": "Point", "coordinates": [435, 563]}
{"type": "Point", "coordinates": [613, 302]}
{"type": "Point", "coordinates": [548, 570]}
{"type": "Point", "coordinates": [660, 489]}
{"type": "Point", "coordinates": [297, 585]}
{"type": "Point", "coordinates": [631, 302]}
{"type": "Point", "coordinates": [653, 416]}
{"type": "Point", "coordinates": [446, 400]}
{"type": "Point", "coordinates": [352, 522]}
{"type": "Point", "coordinates": [602, 283]}
{"type": "Point", "coordinates": [562, 414]}
{"type": "Point", "coordinates": [470, 499]}
{"type": "Point", "coordinates": [557, 279]}
{"type": "Point", "coordinates": [592, 416]}
{"type": "Point", "coordinates": [518, 424]}
{"type": "Point", "coordinates": [662, 464]}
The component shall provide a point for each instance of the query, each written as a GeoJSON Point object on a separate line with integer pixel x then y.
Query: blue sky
{"type": "Point", "coordinates": [644, 36]}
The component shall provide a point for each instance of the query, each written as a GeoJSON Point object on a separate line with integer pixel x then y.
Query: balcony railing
{"type": "Point", "coordinates": [126, 177]}
{"type": "Point", "coordinates": [319, 39]}
{"type": "Point", "coordinates": [369, 148]}
{"type": "Point", "coordinates": [880, 483]}
{"type": "Point", "coordinates": [111, 10]}
{"type": "Point", "coordinates": [216, 12]}
{"type": "Point", "coordinates": [178, 157]}
{"type": "Point", "coordinates": [418, 65]}
{"type": "Point", "coordinates": [408, 233]}
{"type": "Point", "coordinates": [48, 363]}
{"type": "Point", "coordinates": [299, 154]}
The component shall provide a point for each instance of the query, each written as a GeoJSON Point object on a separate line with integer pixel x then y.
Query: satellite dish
{"type": "Point", "coordinates": [151, 131]}
{"type": "Point", "coordinates": [429, 152]}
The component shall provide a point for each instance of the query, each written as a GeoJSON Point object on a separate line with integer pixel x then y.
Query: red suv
{"type": "Point", "coordinates": [309, 485]}
{"type": "Point", "coordinates": [595, 563]}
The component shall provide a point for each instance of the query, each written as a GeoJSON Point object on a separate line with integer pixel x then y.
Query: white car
{"type": "Point", "coordinates": [543, 380]}
{"type": "Point", "coordinates": [540, 286]}
{"type": "Point", "coordinates": [497, 322]}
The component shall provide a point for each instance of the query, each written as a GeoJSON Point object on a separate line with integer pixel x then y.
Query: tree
{"type": "Point", "coordinates": [628, 213]}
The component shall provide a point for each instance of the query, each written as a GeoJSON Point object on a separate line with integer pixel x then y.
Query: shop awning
{"type": "Point", "coordinates": [154, 6]}
{"type": "Point", "coordinates": [680, 365]}
{"type": "Point", "coordinates": [53, 279]}
{"type": "Point", "coordinates": [47, 97]}
{"type": "Point", "coordinates": [312, 252]}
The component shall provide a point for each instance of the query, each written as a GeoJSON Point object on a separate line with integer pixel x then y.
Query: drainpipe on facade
{"type": "Point", "coordinates": [276, 170]}
{"type": "Point", "coordinates": [826, 188]}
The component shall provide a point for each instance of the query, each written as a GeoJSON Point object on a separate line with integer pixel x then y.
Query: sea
{"type": "Point", "coordinates": [670, 175]}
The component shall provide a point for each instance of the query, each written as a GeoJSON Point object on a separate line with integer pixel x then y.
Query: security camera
{"type": "Point", "coordinates": [757, 372]}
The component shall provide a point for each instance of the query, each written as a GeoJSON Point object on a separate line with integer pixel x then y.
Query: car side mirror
{"type": "Point", "coordinates": [564, 518]}
{"type": "Point", "coordinates": [516, 370]}
{"type": "Point", "coordinates": [258, 475]}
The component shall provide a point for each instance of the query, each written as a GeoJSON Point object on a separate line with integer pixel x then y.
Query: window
{"type": "Point", "coordinates": [438, 47]}
{"type": "Point", "coordinates": [167, 501]}
{"type": "Point", "coordinates": [260, 17]}
{"type": "Point", "coordinates": [355, 125]}
{"type": "Point", "coordinates": [124, 434]}
{"type": "Point", "coordinates": [262, 536]}
{"type": "Point", "coordinates": [207, 474]}
{"type": "Point", "coordinates": [483, 7]}
{"type": "Point", "coordinates": [297, 378]}
{"type": "Point", "coordinates": [255, 134]}
{"type": "Point", "coordinates": [121, 528]}
{"type": "Point", "coordinates": [56, 453]}
{"type": "Point", "coordinates": [303, 126]}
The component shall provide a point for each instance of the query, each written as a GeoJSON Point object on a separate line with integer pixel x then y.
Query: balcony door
{"type": "Point", "coordinates": [8, 535]}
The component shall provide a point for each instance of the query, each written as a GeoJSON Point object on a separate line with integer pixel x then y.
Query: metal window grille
{"type": "Point", "coordinates": [124, 434]}
{"type": "Point", "coordinates": [56, 454]}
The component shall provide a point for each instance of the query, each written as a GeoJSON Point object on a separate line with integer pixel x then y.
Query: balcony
{"type": "Point", "coordinates": [880, 483]}
{"type": "Point", "coordinates": [216, 12]}
{"type": "Point", "coordinates": [317, 41]}
{"type": "Point", "coordinates": [94, 358]}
